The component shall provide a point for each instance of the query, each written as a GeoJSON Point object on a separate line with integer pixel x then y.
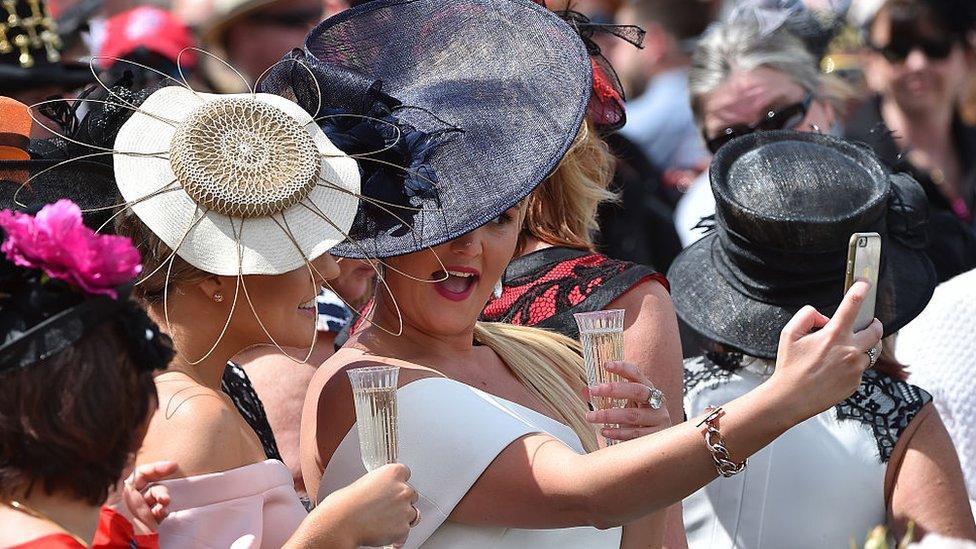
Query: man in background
{"type": "Point", "coordinates": [655, 78]}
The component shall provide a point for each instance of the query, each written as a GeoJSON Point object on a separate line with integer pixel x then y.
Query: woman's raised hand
{"type": "Point", "coordinates": [637, 418]}
{"type": "Point", "coordinates": [820, 360]}
{"type": "Point", "coordinates": [378, 509]}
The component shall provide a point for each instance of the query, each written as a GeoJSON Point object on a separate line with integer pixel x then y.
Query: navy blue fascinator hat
{"type": "Point", "coordinates": [493, 93]}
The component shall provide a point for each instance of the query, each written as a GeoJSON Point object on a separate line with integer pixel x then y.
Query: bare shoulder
{"type": "Point", "coordinates": [329, 412]}
{"type": "Point", "coordinates": [198, 428]}
{"type": "Point", "coordinates": [924, 483]}
{"type": "Point", "coordinates": [647, 298]}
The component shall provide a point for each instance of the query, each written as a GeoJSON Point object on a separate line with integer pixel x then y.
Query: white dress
{"type": "Point", "coordinates": [449, 434]}
{"type": "Point", "coordinates": [939, 347]}
{"type": "Point", "coordinates": [819, 485]}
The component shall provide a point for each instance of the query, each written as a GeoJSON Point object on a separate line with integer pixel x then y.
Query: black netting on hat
{"type": "Point", "coordinates": [91, 185]}
{"type": "Point", "coordinates": [41, 317]}
{"type": "Point", "coordinates": [78, 168]}
{"type": "Point", "coordinates": [512, 76]}
{"type": "Point", "coordinates": [362, 121]}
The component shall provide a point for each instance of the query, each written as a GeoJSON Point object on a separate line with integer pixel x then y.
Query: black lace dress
{"type": "Point", "coordinates": [238, 387]}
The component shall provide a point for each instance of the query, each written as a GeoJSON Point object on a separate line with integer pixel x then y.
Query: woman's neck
{"type": "Point", "coordinates": [191, 345]}
{"type": "Point", "coordinates": [533, 244]}
{"type": "Point", "coordinates": [931, 130]}
{"type": "Point", "coordinates": [414, 342]}
{"type": "Point", "coordinates": [78, 518]}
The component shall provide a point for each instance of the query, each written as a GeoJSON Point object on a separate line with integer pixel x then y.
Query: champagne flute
{"type": "Point", "coordinates": [374, 394]}
{"type": "Point", "coordinates": [602, 336]}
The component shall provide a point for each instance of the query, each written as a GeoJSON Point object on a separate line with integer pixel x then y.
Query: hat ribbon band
{"type": "Point", "coordinates": [784, 277]}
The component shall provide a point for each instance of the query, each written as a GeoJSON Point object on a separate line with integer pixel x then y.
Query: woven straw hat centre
{"type": "Point", "coordinates": [244, 158]}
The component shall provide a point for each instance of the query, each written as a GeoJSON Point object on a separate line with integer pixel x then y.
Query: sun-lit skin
{"type": "Point", "coordinates": [426, 312]}
{"type": "Point", "coordinates": [746, 96]}
{"type": "Point", "coordinates": [192, 407]}
{"type": "Point", "coordinates": [920, 86]}
{"type": "Point", "coordinates": [281, 303]}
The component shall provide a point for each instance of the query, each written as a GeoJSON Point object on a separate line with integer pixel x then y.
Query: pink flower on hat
{"type": "Point", "coordinates": [58, 243]}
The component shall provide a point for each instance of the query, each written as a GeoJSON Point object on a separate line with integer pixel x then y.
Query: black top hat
{"type": "Point", "coordinates": [30, 49]}
{"type": "Point", "coordinates": [512, 76]}
{"type": "Point", "coordinates": [786, 206]}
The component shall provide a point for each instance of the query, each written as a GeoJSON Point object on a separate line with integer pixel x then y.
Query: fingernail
{"type": "Point", "coordinates": [590, 416]}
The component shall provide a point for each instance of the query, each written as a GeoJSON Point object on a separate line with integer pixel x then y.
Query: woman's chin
{"type": "Point", "coordinates": [298, 336]}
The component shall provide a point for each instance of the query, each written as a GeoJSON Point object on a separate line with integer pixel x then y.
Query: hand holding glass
{"type": "Point", "coordinates": [602, 336]}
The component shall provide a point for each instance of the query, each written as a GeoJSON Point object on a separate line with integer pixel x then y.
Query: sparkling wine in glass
{"type": "Point", "coordinates": [602, 337]}
{"type": "Point", "coordinates": [374, 393]}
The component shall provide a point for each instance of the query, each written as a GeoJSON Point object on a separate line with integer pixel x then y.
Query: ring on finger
{"type": "Point", "coordinates": [416, 519]}
{"type": "Point", "coordinates": [655, 397]}
{"type": "Point", "coordinates": [873, 354]}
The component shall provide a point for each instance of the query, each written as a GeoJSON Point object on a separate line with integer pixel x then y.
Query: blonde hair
{"type": "Point", "coordinates": [562, 210]}
{"type": "Point", "coordinates": [548, 365]}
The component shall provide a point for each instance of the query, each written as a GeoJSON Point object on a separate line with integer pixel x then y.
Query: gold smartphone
{"type": "Point", "coordinates": [863, 263]}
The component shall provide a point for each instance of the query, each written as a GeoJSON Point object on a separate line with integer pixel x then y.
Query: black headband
{"type": "Point", "coordinates": [60, 331]}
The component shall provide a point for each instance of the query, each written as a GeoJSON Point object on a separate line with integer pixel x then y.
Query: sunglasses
{"type": "Point", "coordinates": [787, 118]}
{"type": "Point", "coordinates": [898, 49]}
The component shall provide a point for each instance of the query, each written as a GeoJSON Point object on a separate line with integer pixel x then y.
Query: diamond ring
{"type": "Point", "coordinates": [873, 355]}
{"type": "Point", "coordinates": [655, 398]}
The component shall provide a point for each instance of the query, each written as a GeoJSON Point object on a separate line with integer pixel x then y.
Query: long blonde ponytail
{"type": "Point", "coordinates": [544, 362]}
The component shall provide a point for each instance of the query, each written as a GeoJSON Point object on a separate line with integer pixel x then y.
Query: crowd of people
{"type": "Point", "coordinates": [212, 210]}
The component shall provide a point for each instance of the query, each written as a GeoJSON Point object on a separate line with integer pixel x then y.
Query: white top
{"type": "Point", "coordinates": [449, 434]}
{"type": "Point", "coordinates": [939, 347]}
{"type": "Point", "coordinates": [819, 485]}
{"type": "Point", "coordinates": [661, 123]}
{"type": "Point", "coordinates": [249, 507]}
{"type": "Point", "coordinates": [697, 202]}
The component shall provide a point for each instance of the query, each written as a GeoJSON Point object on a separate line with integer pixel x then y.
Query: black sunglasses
{"type": "Point", "coordinates": [787, 118]}
{"type": "Point", "coordinates": [898, 49]}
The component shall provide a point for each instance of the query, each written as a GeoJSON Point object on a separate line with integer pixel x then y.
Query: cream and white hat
{"type": "Point", "coordinates": [237, 183]}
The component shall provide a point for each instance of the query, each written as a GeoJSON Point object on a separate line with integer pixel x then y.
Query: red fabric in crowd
{"type": "Point", "coordinates": [114, 532]}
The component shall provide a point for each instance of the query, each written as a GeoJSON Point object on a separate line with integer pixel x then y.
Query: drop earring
{"type": "Point", "coordinates": [218, 297]}
{"type": "Point", "coordinates": [498, 289]}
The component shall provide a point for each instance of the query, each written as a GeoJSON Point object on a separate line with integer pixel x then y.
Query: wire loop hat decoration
{"type": "Point", "coordinates": [235, 184]}
{"type": "Point", "coordinates": [403, 124]}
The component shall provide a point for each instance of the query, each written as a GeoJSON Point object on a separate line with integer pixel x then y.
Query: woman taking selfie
{"type": "Point", "coordinates": [880, 456]}
{"type": "Point", "coordinates": [490, 418]}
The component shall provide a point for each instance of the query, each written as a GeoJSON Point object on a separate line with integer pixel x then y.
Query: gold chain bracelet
{"type": "Point", "coordinates": [726, 466]}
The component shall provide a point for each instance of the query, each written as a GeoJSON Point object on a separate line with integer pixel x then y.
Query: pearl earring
{"type": "Point", "coordinates": [498, 289]}
{"type": "Point", "coordinates": [218, 297]}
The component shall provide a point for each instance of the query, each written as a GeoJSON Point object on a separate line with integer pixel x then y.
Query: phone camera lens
{"type": "Point", "coordinates": [862, 242]}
